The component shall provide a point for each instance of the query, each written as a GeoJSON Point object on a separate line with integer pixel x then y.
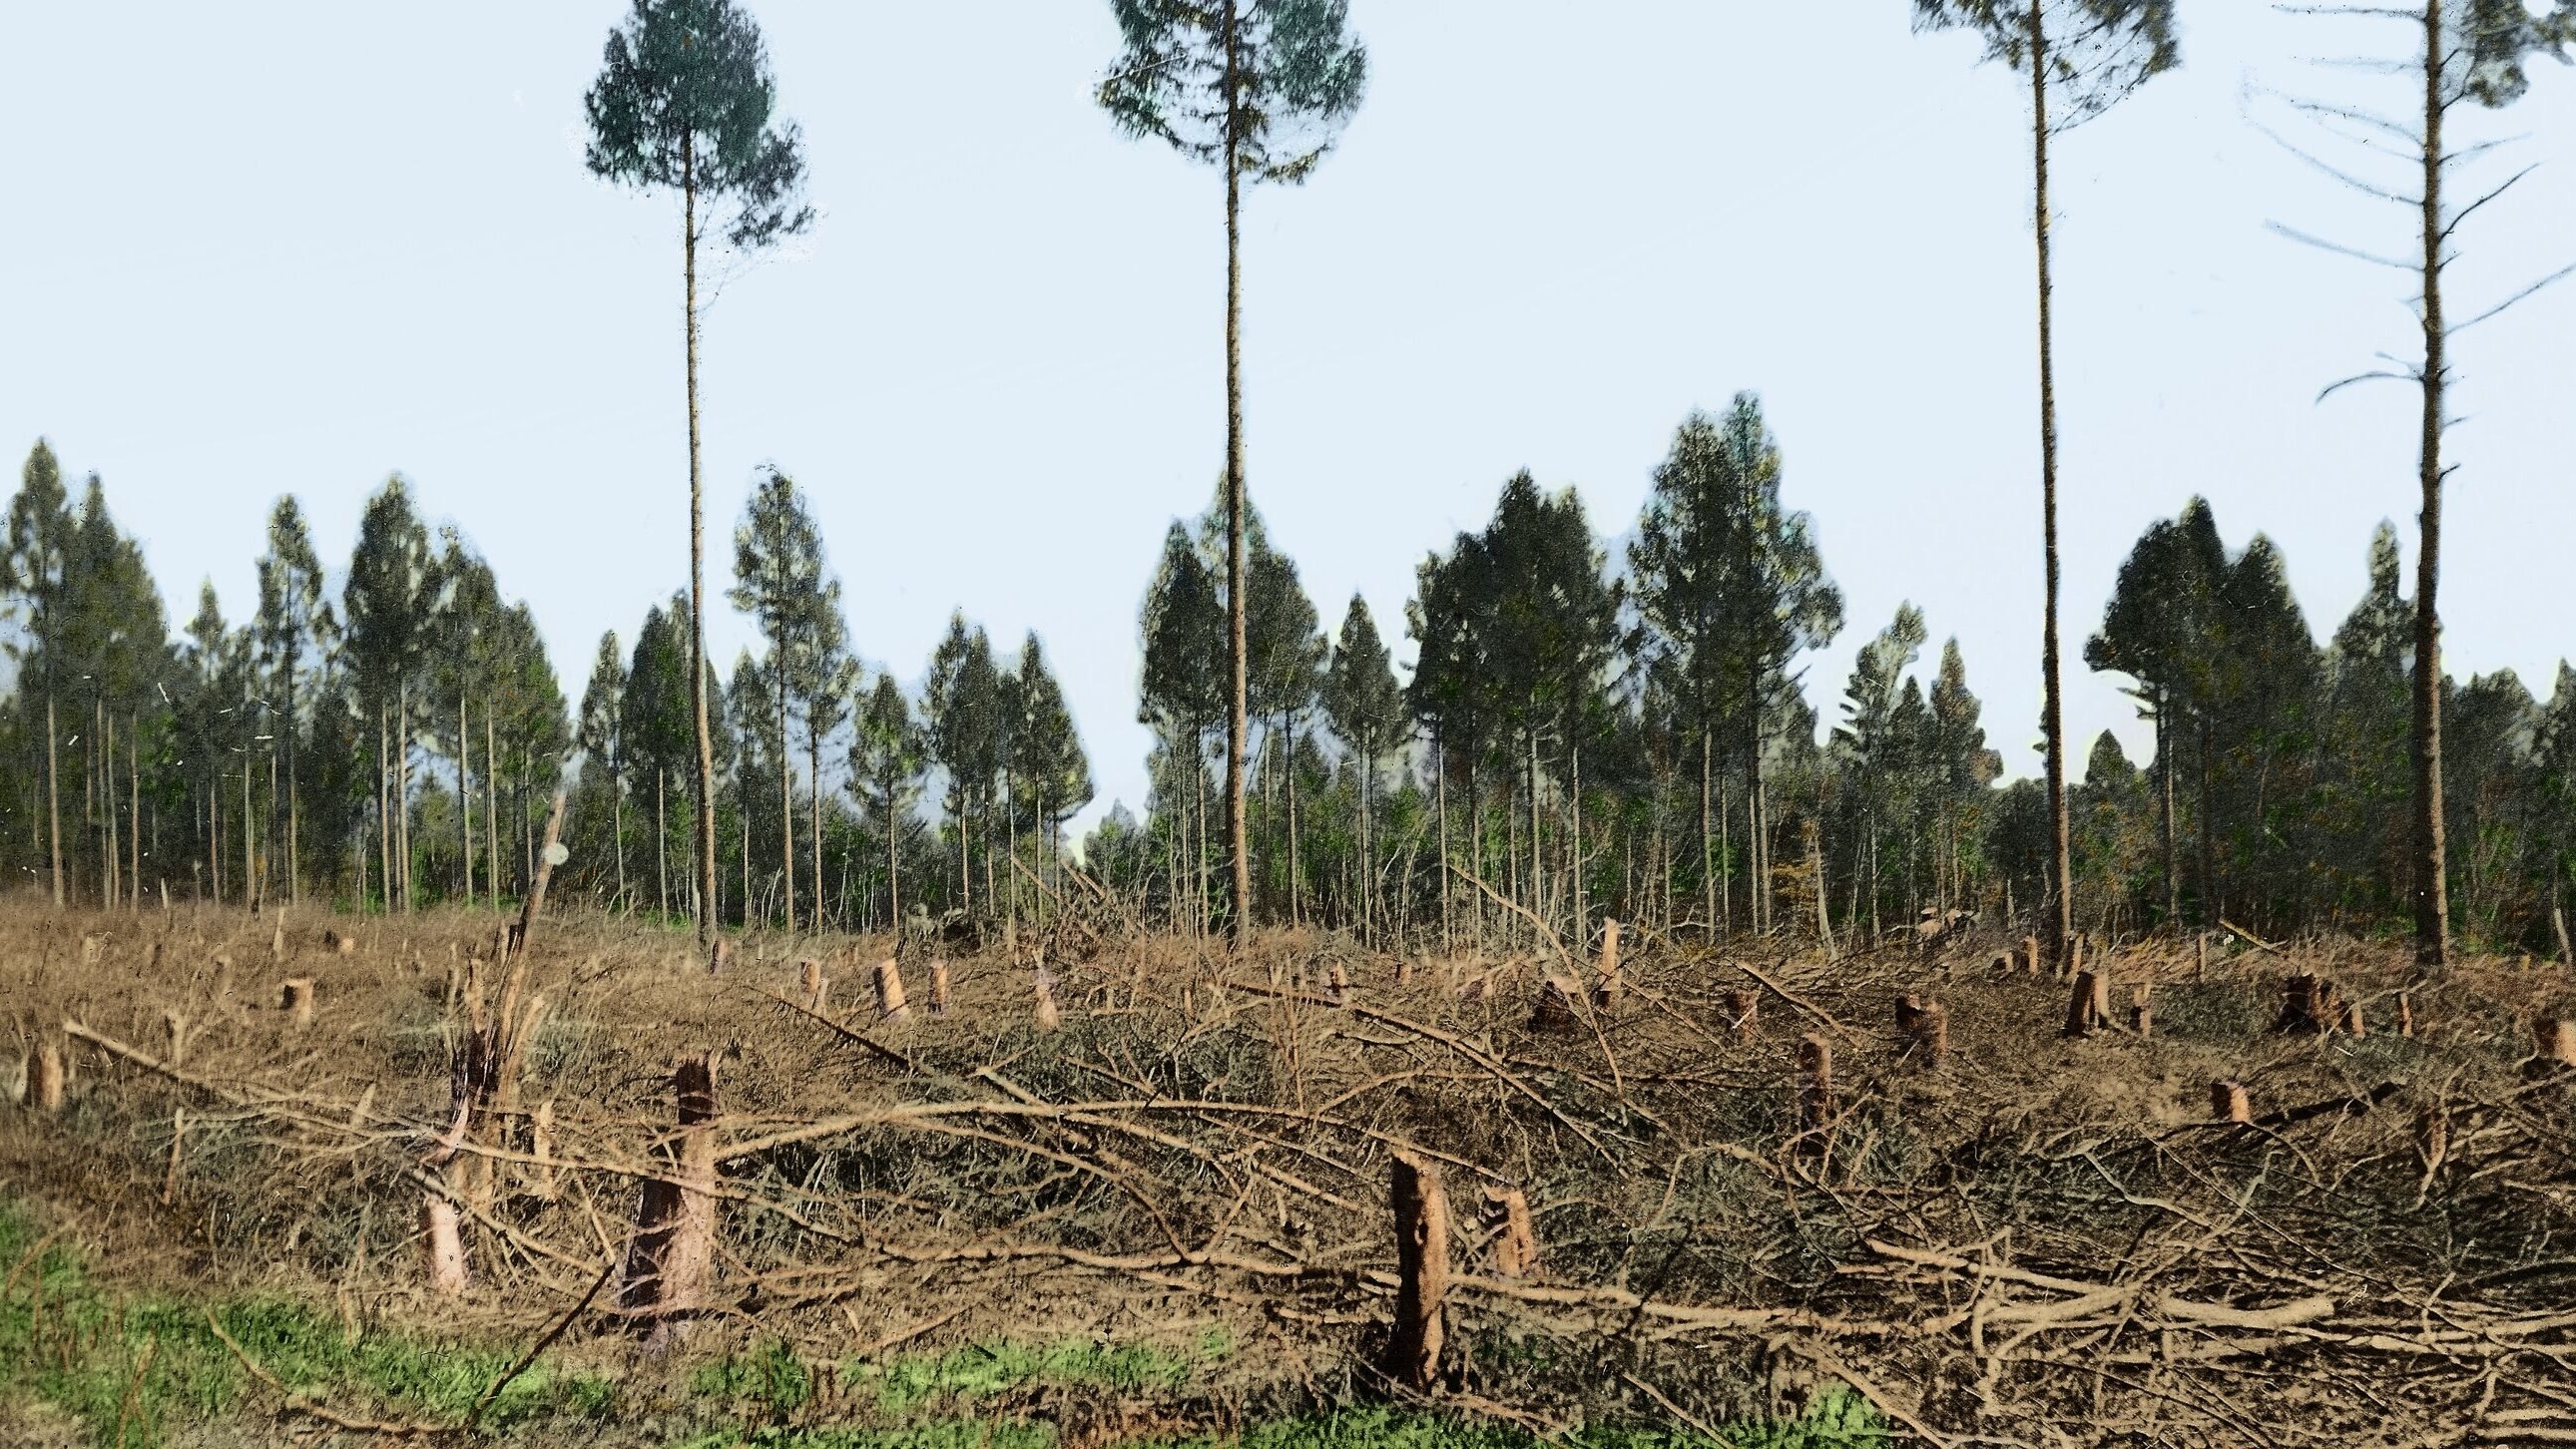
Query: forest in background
{"type": "Point", "coordinates": [1583, 736]}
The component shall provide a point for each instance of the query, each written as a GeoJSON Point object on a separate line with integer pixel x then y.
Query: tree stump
{"type": "Point", "coordinates": [719, 955]}
{"type": "Point", "coordinates": [2305, 1004]}
{"type": "Point", "coordinates": [1741, 1009]}
{"type": "Point", "coordinates": [2228, 1102]}
{"type": "Point", "coordinates": [295, 997]}
{"type": "Point", "coordinates": [1422, 1268]}
{"type": "Point", "coordinates": [338, 944]}
{"type": "Point", "coordinates": [2555, 1041]}
{"type": "Point", "coordinates": [670, 1258]}
{"type": "Point", "coordinates": [277, 940]}
{"type": "Point", "coordinates": [2351, 1020]}
{"type": "Point", "coordinates": [1515, 1236]}
{"type": "Point", "coordinates": [174, 1025]}
{"type": "Point", "coordinates": [1555, 1012]}
{"type": "Point", "coordinates": [2406, 1014]}
{"type": "Point", "coordinates": [1815, 1087]}
{"type": "Point", "coordinates": [2084, 1005]}
{"type": "Point", "coordinates": [1932, 1033]}
{"type": "Point", "coordinates": [541, 1146]}
{"type": "Point", "coordinates": [890, 1002]}
{"type": "Point", "coordinates": [1050, 1015]}
{"type": "Point", "coordinates": [443, 1239]}
{"type": "Point", "coordinates": [1605, 992]}
{"type": "Point", "coordinates": [45, 1078]}
{"type": "Point", "coordinates": [2142, 1010]}
{"type": "Point", "coordinates": [1337, 983]}
{"type": "Point", "coordinates": [939, 986]}
{"type": "Point", "coordinates": [2200, 957]}
{"type": "Point", "coordinates": [815, 986]}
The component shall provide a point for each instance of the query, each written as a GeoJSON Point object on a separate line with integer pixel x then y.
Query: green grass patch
{"type": "Point", "coordinates": [132, 1369]}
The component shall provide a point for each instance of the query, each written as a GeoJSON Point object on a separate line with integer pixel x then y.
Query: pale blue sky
{"type": "Point", "coordinates": [257, 249]}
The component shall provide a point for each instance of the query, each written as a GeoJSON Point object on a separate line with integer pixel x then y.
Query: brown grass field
{"type": "Point", "coordinates": [1168, 1218]}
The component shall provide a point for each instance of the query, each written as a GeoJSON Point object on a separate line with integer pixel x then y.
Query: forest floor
{"type": "Point", "coordinates": [1164, 1216]}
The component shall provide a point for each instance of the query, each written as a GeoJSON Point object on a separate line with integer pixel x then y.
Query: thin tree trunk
{"type": "Point", "coordinates": [2165, 767]}
{"type": "Point", "coordinates": [465, 802]}
{"type": "Point", "coordinates": [814, 814]}
{"type": "Point", "coordinates": [107, 776]}
{"type": "Point", "coordinates": [2061, 918]}
{"type": "Point", "coordinates": [1709, 853]}
{"type": "Point", "coordinates": [134, 806]}
{"type": "Point", "coordinates": [492, 800]}
{"type": "Point", "coordinates": [1440, 784]}
{"type": "Point", "coordinates": [661, 847]}
{"type": "Point", "coordinates": [54, 787]}
{"type": "Point", "coordinates": [2209, 902]}
{"type": "Point", "coordinates": [1237, 696]}
{"type": "Point", "coordinates": [616, 817]}
{"type": "Point", "coordinates": [2432, 890]}
{"type": "Point", "coordinates": [706, 760]}
{"type": "Point", "coordinates": [786, 800]}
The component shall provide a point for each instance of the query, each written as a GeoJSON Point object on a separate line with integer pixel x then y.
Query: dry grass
{"type": "Point", "coordinates": [2040, 1240]}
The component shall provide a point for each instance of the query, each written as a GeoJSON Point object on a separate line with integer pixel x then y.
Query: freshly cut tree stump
{"type": "Point", "coordinates": [2030, 955]}
{"type": "Point", "coordinates": [2556, 1041]}
{"type": "Point", "coordinates": [2084, 1005]}
{"type": "Point", "coordinates": [939, 986]}
{"type": "Point", "coordinates": [1932, 1032]}
{"type": "Point", "coordinates": [2200, 958]}
{"type": "Point", "coordinates": [670, 1258]}
{"type": "Point", "coordinates": [174, 1024]}
{"type": "Point", "coordinates": [890, 1002]}
{"type": "Point", "coordinates": [277, 939]}
{"type": "Point", "coordinates": [2406, 1014]}
{"type": "Point", "coordinates": [444, 1242]}
{"type": "Point", "coordinates": [295, 997]}
{"type": "Point", "coordinates": [2142, 1010]}
{"type": "Point", "coordinates": [1337, 983]}
{"type": "Point", "coordinates": [1422, 1269]}
{"type": "Point", "coordinates": [812, 984]}
{"type": "Point", "coordinates": [719, 955]}
{"type": "Point", "coordinates": [2352, 1021]}
{"type": "Point", "coordinates": [1050, 1015]}
{"type": "Point", "coordinates": [2306, 1004]}
{"type": "Point", "coordinates": [338, 944]}
{"type": "Point", "coordinates": [1815, 1086]}
{"type": "Point", "coordinates": [1741, 1009]}
{"type": "Point", "coordinates": [1605, 992]}
{"type": "Point", "coordinates": [2228, 1102]}
{"type": "Point", "coordinates": [1515, 1236]}
{"type": "Point", "coordinates": [45, 1078]}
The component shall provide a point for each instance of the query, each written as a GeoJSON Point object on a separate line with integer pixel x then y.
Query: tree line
{"type": "Point", "coordinates": [1571, 739]}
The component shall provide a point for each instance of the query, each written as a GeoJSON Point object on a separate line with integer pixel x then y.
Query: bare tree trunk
{"type": "Point", "coordinates": [54, 789]}
{"type": "Point", "coordinates": [1237, 840]}
{"type": "Point", "coordinates": [2432, 891]}
{"type": "Point", "coordinates": [706, 761]}
{"type": "Point", "coordinates": [1709, 854]}
{"type": "Point", "coordinates": [814, 812]}
{"type": "Point", "coordinates": [786, 803]}
{"type": "Point", "coordinates": [465, 802]}
{"type": "Point", "coordinates": [661, 844]}
{"type": "Point", "coordinates": [134, 807]}
{"type": "Point", "coordinates": [2061, 918]}
{"type": "Point", "coordinates": [492, 800]}
{"type": "Point", "coordinates": [2165, 767]}
{"type": "Point", "coordinates": [1440, 785]}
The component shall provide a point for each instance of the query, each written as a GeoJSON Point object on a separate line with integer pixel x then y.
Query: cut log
{"type": "Point", "coordinates": [1422, 1269]}
{"type": "Point", "coordinates": [670, 1258]}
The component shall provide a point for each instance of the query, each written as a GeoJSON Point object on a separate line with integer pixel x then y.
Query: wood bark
{"type": "Point", "coordinates": [1421, 1209]}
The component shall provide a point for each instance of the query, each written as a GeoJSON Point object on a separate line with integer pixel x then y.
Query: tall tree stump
{"type": "Point", "coordinates": [890, 1002]}
{"type": "Point", "coordinates": [2228, 1102]}
{"type": "Point", "coordinates": [2030, 959]}
{"type": "Point", "coordinates": [2351, 1020]}
{"type": "Point", "coordinates": [939, 986]}
{"type": "Point", "coordinates": [1742, 1007]}
{"type": "Point", "coordinates": [719, 955]}
{"type": "Point", "coordinates": [2558, 923]}
{"type": "Point", "coordinates": [812, 984]}
{"type": "Point", "coordinates": [2142, 1010]}
{"type": "Point", "coordinates": [1605, 991]}
{"type": "Point", "coordinates": [670, 1258]}
{"type": "Point", "coordinates": [1422, 1270]}
{"type": "Point", "coordinates": [295, 998]}
{"type": "Point", "coordinates": [2306, 1004]}
{"type": "Point", "coordinates": [2406, 1014]}
{"type": "Point", "coordinates": [1050, 1014]}
{"type": "Point", "coordinates": [2084, 1005]}
{"type": "Point", "coordinates": [1815, 1088]}
{"type": "Point", "coordinates": [1515, 1236]}
{"type": "Point", "coordinates": [2200, 957]}
{"type": "Point", "coordinates": [174, 1026]}
{"type": "Point", "coordinates": [45, 1078]}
